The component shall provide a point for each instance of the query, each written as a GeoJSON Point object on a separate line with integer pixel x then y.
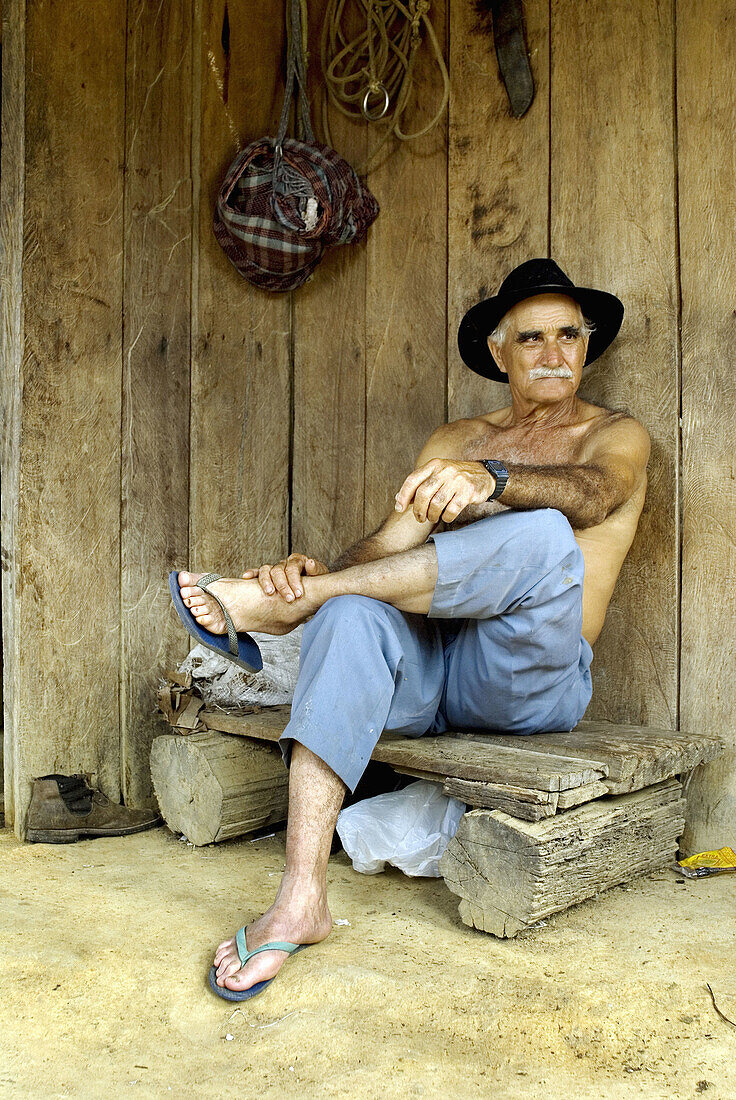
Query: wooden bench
{"type": "Point", "coordinates": [556, 818]}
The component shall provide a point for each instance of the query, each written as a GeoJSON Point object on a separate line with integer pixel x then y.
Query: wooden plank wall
{"type": "Point", "coordinates": [172, 413]}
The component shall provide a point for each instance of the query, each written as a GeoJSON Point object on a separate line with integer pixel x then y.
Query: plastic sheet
{"type": "Point", "coordinates": [409, 829]}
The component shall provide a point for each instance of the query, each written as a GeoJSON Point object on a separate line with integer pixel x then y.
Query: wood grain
{"type": "Point", "coordinates": [706, 44]}
{"type": "Point", "coordinates": [406, 292]}
{"type": "Point", "coordinates": [156, 360]}
{"type": "Point", "coordinates": [241, 363]}
{"type": "Point", "coordinates": [613, 227]}
{"type": "Point", "coordinates": [12, 214]}
{"type": "Point", "coordinates": [329, 368]}
{"type": "Point", "coordinates": [498, 167]}
{"type": "Point", "coordinates": [67, 596]}
{"type": "Point", "coordinates": [510, 874]}
{"type": "Point", "coordinates": [212, 787]}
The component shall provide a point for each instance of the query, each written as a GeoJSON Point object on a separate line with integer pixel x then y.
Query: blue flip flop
{"type": "Point", "coordinates": [239, 648]}
{"type": "Point", "coordinates": [244, 954]}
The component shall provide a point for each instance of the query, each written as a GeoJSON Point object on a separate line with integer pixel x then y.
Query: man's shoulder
{"type": "Point", "coordinates": [618, 421]}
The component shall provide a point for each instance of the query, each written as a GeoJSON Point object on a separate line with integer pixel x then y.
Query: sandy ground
{"type": "Point", "coordinates": [106, 944]}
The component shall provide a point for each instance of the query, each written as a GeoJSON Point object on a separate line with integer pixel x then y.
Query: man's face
{"type": "Point", "coordinates": [544, 349]}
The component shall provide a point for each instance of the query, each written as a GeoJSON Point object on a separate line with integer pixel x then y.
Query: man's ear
{"type": "Point", "coordinates": [497, 353]}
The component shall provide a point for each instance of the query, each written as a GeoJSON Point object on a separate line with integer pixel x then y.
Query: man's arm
{"type": "Point", "coordinates": [612, 465]}
{"type": "Point", "coordinates": [400, 530]}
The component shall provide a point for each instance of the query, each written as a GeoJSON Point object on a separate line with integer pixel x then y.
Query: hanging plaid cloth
{"type": "Point", "coordinates": [284, 200]}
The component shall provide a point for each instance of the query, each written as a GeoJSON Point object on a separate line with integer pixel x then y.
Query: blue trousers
{"type": "Point", "coordinates": [500, 648]}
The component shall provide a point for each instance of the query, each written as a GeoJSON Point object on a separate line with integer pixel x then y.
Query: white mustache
{"type": "Point", "coordinates": [549, 372]}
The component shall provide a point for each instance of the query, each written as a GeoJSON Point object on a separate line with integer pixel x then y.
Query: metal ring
{"type": "Point", "coordinates": [375, 117]}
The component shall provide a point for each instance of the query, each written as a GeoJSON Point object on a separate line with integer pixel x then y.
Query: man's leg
{"type": "Point", "coordinates": [299, 913]}
{"type": "Point", "coordinates": [364, 667]}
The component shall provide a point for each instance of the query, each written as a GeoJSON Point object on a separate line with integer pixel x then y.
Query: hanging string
{"type": "Point", "coordinates": [371, 75]}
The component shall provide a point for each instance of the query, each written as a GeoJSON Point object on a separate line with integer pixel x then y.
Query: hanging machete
{"type": "Point", "coordinates": [513, 60]}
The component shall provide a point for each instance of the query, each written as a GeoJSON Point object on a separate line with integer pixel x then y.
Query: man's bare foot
{"type": "Point", "coordinates": [310, 924]}
{"type": "Point", "coordinates": [249, 607]}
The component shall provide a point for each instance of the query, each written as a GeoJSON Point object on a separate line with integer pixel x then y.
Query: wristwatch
{"type": "Point", "coordinates": [500, 473]}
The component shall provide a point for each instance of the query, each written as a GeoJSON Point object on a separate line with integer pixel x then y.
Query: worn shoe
{"type": "Point", "coordinates": [63, 809]}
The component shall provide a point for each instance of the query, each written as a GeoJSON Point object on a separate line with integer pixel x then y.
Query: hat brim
{"type": "Point", "coordinates": [604, 310]}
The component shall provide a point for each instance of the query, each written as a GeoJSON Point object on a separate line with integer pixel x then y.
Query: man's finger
{"type": "Point", "coordinates": [315, 568]}
{"type": "Point", "coordinates": [250, 574]}
{"type": "Point", "coordinates": [408, 489]}
{"type": "Point", "coordinates": [264, 579]}
{"type": "Point", "coordinates": [453, 508]}
{"type": "Point", "coordinates": [293, 573]}
{"type": "Point", "coordinates": [439, 502]}
{"type": "Point", "coordinates": [278, 576]}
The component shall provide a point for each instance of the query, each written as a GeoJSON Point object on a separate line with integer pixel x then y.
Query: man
{"type": "Point", "coordinates": [475, 603]}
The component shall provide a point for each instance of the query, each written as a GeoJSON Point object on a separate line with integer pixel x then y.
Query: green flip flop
{"type": "Point", "coordinates": [244, 954]}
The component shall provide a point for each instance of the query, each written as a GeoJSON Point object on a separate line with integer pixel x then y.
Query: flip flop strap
{"type": "Point", "coordinates": [232, 634]}
{"type": "Point", "coordinates": [275, 945]}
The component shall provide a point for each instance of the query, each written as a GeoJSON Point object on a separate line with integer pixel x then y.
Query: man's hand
{"type": "Point", "coordinates": [443, 487]}
{"type": "Point", "coordinates": [284, 576]}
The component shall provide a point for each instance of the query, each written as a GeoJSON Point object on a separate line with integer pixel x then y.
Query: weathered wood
{"type": "Point", "coordinates": [329, 368]}
{"type": "Point", "coordinates": [65, 624]}
{"type": "Point", "coordinates": [576, 796]}
{"type": "Point", "coordinates": [239, 501]}
{"type": "Point", "coordinates": [706, 97]}
{"type": "Point", "coordinates": [520, 802]}
{"type": "Point", "coordinates": [498, 167]}
{"type": "Point", "coordinates": [511, 874]}
{"type": "Point", "coordinates": [442, 756]}
{"type": "Point", "coordinates": [155, 436]}
{"type": "Point", "coordinates": [406, 291]}
{"type": "Point", "coordinates": [12, 177]}
{"type": "Point", "coordinates": [613, 226]}
{"type": "Point", "coordinates": [212, 787]}
{"type": "Point", "coordinates": [635, 757]}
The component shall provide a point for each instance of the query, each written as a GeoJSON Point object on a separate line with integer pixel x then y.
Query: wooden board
{"type": "Point", "coordinates": [510, 874]}
{"type": "Point", "coordinates": [241, 359]}
{"type": "Point", "coordinates": [613, 227]}
{"type": "Point", "coordinates": [518, 801]}
{"type": "Point", "coordinates": [329, 367]}
{"type": "Point", "coordinates": [64, 709]}
{"type": "Point", "coordinates": [11, 347]}
{"type": "Point", "coordinates": [155, 434]}
{"type": "Point", "coordinates": [442, 756]}
{"type": "Point", "coordinates": [706, 96]}
{"type": "Point", "coordinates": [498, 167]}
{"type": "Point", "coordinates": [406, 292]}
{"type": "Point", "coordinates": [634, 757]}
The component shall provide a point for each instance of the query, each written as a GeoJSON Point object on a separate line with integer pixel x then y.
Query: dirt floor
{"type": "Point", "coordinates": [106, 944]}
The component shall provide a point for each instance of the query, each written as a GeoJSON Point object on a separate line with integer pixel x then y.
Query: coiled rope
{"type": "Point", "coordinates": [371, 74]}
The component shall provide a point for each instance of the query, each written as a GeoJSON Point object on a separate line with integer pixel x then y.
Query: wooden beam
{"type": "Point", "coordinates": [706, 98]}
{"type": "Point", "coordinates": [510, 874]}
{"type": "Point", "coordinates": [406, 291]}
{"type": "Point", "coordinates": [241, 359]}
{"type": "Point", "coordinates": [613, 227]}
{"type": "Point", "coordinates": [156, 364]}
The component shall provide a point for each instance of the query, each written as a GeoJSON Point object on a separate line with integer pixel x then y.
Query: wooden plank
{"type": "Point", "coordinates": [212, 787]}
{"type": "Point", "coordinates": [634, 757]}
{"type": "Point", "coordinates": [516, 801]}
{"type": "Point", "coordinates": [241, 388]}
{"type": "Point", "coordinates": [510, 874]}
{"type": "Point", "coordinates": [12, 177]}
{"type": "Point", "coordinates": [67, 608]}
{"type": "Point", "coordinates": [576, 796]}
{"type": "Point", "coordinates": [444, 756]}
{"type": "Point", "coordinates": [329, 368]}
{"type": "Point", "coordinates": [406, 292]}
{"type": "Point", "coordinates": [613, 226]}
{"type": "Point", "coordinates": [156, 354]}
{"type": "Point", "coordinates": [499, 193]}
{"type": "Point", "coordinates": [706, 41]}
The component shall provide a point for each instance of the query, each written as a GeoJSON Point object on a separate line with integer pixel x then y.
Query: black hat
{"type": "Point", "coordinates": [542, 276]}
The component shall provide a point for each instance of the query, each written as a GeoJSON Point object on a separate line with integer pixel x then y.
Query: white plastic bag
{"type": "Point", "coordinates": [409, 829]}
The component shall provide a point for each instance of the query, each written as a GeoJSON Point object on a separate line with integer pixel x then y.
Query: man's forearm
{"type": "Point", "coordinates": [366, 549]}
{"type": "Point", "coordinates": [584, 494]}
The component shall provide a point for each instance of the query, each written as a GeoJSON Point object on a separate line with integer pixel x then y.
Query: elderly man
{"type": "Point", "coordinates": [474, 604]}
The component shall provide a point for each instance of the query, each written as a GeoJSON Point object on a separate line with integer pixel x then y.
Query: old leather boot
{"type": "Point", "coordinates": [63, 809]}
